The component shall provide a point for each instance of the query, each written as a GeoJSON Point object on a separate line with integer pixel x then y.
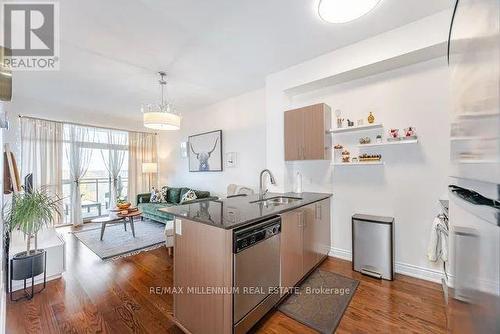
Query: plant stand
{"type": "Point", "coordinates": [28, 265]}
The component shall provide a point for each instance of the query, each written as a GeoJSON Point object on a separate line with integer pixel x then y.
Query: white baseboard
{"type": "Point", "coordinates": [400, 268]}
{"type": "Point", "coordinates": [340, 253]}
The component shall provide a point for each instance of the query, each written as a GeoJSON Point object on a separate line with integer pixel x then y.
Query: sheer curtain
{"type": "Point", "coordinates": [42, 154]}
{"type": "Point", "coordinates": [79, 158]}
{"type": "Point", "coordinates": [117, 141]}
{"type": "Point", "coordinates": [142, 148]}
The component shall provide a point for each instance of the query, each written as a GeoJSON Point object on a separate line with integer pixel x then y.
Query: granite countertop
{"type": "Point", "coordinates": [229, 213]}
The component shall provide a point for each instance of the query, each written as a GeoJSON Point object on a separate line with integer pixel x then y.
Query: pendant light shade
{"type": "Point", "coordinates": [161, 116]}
{"type": "Point", "coordinates": [342, 11]}
{"type": "Point", "coordinates": [162, 121]}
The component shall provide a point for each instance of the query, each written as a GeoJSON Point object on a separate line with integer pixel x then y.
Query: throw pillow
{"type": "Point", "coordinates": [202, 194]}
{"type": "Point", "coordinates": [189, 196]}
{"type": "Point", "coordinates": [164, 193]}
{"type": "Point", "coordinates": [173, 195]}
{"type": "Point", "coordinates": [155, 196]}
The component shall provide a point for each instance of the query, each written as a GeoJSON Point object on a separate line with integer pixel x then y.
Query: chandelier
{"type": "Point", "coordinates": [161, 116]}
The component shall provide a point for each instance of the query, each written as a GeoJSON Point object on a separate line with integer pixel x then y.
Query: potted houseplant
{"type": "Point", "coordinates": [30, 212]}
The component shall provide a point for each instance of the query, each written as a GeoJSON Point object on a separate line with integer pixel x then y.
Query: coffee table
{"type": "Point", "coordinates": [115, 218]}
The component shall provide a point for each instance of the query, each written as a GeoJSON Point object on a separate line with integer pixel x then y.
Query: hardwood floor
{"type": "Point", "coordinates": [114, 297]}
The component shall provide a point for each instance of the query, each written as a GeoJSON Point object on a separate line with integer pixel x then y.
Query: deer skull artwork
{"type": "Point", "coordinates": [203, 157]}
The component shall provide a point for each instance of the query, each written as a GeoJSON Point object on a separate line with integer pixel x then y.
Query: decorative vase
{"type": "Point", "coordinates": [371, 118]}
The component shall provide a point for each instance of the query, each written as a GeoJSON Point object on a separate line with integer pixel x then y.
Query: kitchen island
{"type": "Point", "coordinates": [235, 257]}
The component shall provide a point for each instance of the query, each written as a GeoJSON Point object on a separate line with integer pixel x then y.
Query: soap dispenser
{"type": "Point", "coordinates": [298, 183]}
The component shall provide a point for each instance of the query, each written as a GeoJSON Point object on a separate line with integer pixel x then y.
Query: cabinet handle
{"type": "Point", "coordinates": [301, 219]}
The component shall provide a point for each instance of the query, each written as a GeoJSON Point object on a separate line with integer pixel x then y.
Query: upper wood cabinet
{"type": "Point", "coordinates": [305, 133]}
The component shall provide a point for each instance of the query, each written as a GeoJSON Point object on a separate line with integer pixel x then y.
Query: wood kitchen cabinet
{"type": "Point", "coordinates": [305, 133]}
{"type": "Point", "coordinates": [305, 240]}
{"type": "Point", "coordinates": [292, 250]}
{"type": "Point", "coordinates": [310, 238]}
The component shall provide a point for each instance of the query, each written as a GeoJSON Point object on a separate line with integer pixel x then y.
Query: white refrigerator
{"type": "Point", "coordinates": [474, 191]}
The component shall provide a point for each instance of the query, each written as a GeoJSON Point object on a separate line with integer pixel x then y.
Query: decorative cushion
{"type": "Point", "coordinates": [164, 193]}
{"type": "Point", "coordinates": [202, 194]}
{"type": "Point", "coordinates": [190, 195]}
{"type": "Point", "coordinates": [155, 196]}
{"type": "Point", "coordinates": [173, 195]}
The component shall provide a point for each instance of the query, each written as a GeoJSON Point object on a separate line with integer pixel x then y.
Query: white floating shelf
{"type": "Point", "coordinates": [479, 114]}
{"type": "Point", "coordinates": [399, 142]}
{"type": "Point", "coordinates": [371, 163]}
{"type": "Point", "coordinates": [477, 161]}
{"type": "Point", "coordinates": [356, 128]}
{"type": "Point", "coordinates": [471, 138]}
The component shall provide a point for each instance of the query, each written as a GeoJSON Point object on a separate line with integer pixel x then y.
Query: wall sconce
{"type": "Point", "coordinates": [231, 158]}
{"type": "Point", "coordinates": [184, 152]}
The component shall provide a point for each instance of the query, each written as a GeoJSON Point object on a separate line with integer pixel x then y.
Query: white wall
{"type": "Point", "coordinates": [414, 178]}
{"type": "Point", "coordinates": [242, 121]}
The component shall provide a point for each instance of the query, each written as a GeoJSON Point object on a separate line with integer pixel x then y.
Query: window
{"type": "Point", "coordinates": [108, 150]}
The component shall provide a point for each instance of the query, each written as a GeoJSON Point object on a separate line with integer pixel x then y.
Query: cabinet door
{"type": "Point", "coordinates": [291, 248]}
{"type": "Point", "coordinates": [314, 132]}
{"type": "Point", "coordinates": [311, 241]}
{"type": "Point", "coordinates": [294, 135]}
{"type": "Point", "coordinates": [324, 227]}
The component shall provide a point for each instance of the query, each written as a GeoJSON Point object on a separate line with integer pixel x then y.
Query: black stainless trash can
{"type": "Point", "coordinates": [373, 245]}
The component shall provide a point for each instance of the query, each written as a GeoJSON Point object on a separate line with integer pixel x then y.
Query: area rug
{"type": "Point", "coordinates": [321, 300]}
{"type": "Point", "coordinates": [117, 242]}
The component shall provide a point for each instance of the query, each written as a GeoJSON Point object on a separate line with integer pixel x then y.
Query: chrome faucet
{"type": "Point", "coordinates": [271, 178]}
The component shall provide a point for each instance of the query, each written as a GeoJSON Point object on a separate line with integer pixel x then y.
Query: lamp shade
{"type": "Point", "coordinates": [162, 121]}
{"type": "Point", "coordinates": [149, 167]}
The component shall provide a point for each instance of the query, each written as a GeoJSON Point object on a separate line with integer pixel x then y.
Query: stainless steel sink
{"type": "Point", "coordinates": [278, 200]}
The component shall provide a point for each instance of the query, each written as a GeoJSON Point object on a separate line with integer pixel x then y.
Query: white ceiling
{"type": "Point", "coordinates": [212, 50]}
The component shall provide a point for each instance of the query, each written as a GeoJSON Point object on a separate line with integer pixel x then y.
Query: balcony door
{"type": "Point", "coordinates": [96, 184]}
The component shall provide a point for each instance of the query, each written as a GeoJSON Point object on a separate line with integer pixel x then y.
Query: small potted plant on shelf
{"type": "Point", "coordinates": [30, 212]}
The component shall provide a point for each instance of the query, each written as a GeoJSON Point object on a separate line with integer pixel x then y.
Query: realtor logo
{"type": "Point", "coordinates": [31, 32]}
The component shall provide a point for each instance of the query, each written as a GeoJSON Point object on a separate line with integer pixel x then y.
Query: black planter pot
{"type": "Point", "coordinates": [26, 265]}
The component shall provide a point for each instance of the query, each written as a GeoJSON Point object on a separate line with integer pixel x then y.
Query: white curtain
{"type": "Point", "coordinates": [79, 158]}
{"type": "Point", "coordinates": [117, 141]}
{"type": "Point", "coordinates": [42, 153]}
{"type": "Point", "coordinates": [142, 148]}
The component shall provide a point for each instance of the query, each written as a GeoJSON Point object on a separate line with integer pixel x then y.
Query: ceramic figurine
{"type": "Point", "coordinates": [350, 123]}
{"type": "Point", "coordinates": [393, 134]}
{"type": "Point", "coordinates": [371, 118]}
{"type": "Point", "coordinates": [410, 133]}
{"type": "Point", "coordinates": [378, 139]}
{"type": "Point", "coordinates": [337, 153]}
{"type": "Point", "coordinates": [340, 120]}
{"type": "Point", "coordinates": [345, 156]}
{"type": "Point", "coordinates": [365, 140]}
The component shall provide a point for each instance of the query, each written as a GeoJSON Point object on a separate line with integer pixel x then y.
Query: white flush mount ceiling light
{"type": "Point", "coordinates": [342, 11]}
{"type": "Point", "coordinates": [161, 116]}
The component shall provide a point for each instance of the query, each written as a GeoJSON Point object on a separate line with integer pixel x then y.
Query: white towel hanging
{"type": "Point", "coordinates": [438, 242]}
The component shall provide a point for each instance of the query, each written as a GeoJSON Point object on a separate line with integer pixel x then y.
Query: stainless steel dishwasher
{"type": "Point", "coordinates": [256, 260]}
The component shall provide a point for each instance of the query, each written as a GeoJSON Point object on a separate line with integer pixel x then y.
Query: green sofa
{"type": "Point", "coordinates": [173, 198]}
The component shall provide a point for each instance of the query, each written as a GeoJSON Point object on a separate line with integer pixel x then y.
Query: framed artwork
{"type": "Point", "coordinates": [205, 152]}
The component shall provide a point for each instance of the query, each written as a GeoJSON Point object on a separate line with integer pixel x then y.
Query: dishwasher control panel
{"type": "Point", "coordinates": [249, 236]}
